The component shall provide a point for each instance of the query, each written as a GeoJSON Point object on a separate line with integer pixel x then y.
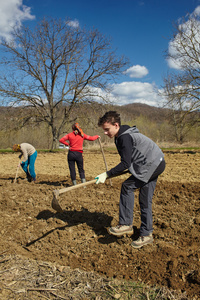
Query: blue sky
{"type": "Point", "coordinates": [140, 29]}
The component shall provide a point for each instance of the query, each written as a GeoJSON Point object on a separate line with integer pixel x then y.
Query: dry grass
{"type": "Point", "coordinates": [31, 279]}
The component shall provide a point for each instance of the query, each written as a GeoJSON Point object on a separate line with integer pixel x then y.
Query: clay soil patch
{"type": "Point", "coordinates": [35, 238]}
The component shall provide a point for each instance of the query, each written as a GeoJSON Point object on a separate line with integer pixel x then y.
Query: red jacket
{"type": "Point", "coordinates": [76, 141]}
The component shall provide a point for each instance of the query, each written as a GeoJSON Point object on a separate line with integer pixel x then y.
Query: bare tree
{"type": "Point", "coordinates": [54, 67]}
{"type": "Point", "coordinates": [181, 115]}
{"type": "Point", "coordinates": [182, 87]}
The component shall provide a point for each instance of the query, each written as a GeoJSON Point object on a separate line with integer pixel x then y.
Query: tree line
{"type": "Point", "coordinates": [152, 121]}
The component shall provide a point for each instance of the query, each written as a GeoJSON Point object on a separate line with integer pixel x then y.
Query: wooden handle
{"type": "Point", "coordinates": [104, 159]}
{"type": "Point", "coordinates": [73, 187]}
{"type": "Point", "coordinates": [17, 171]}
{"type": "Point", "coordinates": [103, 154]}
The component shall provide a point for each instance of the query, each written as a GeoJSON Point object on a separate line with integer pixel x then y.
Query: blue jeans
{"type": "Point", "coordinates": [29, 165]}
{"type": "Point", "coordinates": [146, 191]}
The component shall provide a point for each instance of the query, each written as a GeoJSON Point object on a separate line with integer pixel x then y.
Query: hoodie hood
{"type": "Point", "coordinates": [127, 129]}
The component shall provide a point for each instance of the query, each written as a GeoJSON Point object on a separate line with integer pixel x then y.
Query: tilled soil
{"type": "Point", "coordinates": [77, 238]}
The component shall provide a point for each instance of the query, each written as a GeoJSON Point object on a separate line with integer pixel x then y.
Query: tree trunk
{"type": "Point", "coordinates": [55, 140]}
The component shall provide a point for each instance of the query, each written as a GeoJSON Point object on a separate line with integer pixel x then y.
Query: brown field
{"type": "Point", "coordinates": [41, 250]}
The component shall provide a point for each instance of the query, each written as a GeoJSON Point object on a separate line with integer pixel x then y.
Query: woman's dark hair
{"type": "Point", "coordinates": [110, 117]}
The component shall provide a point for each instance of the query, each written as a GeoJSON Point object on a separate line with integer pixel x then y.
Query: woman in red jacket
{"type": "Point", "coordinates": [75, 154]}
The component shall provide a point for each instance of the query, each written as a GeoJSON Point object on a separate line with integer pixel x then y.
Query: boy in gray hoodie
{"type": "Point", "coordinates": [145, 162]}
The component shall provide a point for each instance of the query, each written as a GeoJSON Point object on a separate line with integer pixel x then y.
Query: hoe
{"type": "Point", "coordinates": [55, 204]}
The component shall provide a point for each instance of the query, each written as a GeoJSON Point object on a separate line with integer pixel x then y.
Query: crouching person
{"type": "Point", "coordinates": [29, 154]}
{"type": "Point", "coordinates": [145, 162]}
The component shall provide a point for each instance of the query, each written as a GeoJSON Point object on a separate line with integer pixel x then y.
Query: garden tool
{"type": "Point", "coordinates": [17, 171]}
{"type": "Point", "coordinates": [55, 204]}
{"type": "Point", "coordinates": [104, 158]}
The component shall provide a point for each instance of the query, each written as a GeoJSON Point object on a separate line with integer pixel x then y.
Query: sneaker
{"type": "Point", "coordinates": [121, 230]}
{"type": "Point", "coordinates": [83, 180]}
{"type": "Point", "coordinates": [28, 177]}
{"type": "Point", "coordinates": [142, 240]}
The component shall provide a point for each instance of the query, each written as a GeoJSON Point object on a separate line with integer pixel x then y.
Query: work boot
{"type": "Point", "coordinates": [74, 182]}
{"type": "Point", "coordinates": [142, 240]}
{"type": "Point", "coordinates": [120, 230]}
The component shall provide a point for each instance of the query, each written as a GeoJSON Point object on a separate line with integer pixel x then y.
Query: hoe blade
{"type": "Point", "coordinates": [55, 205]}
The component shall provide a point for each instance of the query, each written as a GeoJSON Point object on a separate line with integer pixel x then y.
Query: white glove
{"type": "Point", "coordinates": [101, 178]}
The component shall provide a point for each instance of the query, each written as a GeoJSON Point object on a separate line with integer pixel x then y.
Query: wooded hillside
{"type": "Point", "coordinates": [16, 127]}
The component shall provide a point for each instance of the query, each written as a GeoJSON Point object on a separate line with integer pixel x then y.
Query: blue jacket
{"type": "Point", "coordinates": [139, 154]}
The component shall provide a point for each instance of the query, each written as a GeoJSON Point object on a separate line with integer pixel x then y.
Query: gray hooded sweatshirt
{"type": "Point", "coordinates": [139, 154]}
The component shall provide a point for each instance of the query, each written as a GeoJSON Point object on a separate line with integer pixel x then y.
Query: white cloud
{"type": "Point", "coordinates": [179, 55]}
{"type": "Point", "coordinates": [12, 13]}
{"type": "Point", "coordinates": [175, 63]}
{"type": "Point", "coordinates": [137, 71]}
{"type": "Point", "coordinates": [197, 10]}
{"type": "Point", "coordinates": [73, 23]}
{"type": "Point", "coordinates": [135, 92]}
{"type": "Point", "coordinates": [127, 92]}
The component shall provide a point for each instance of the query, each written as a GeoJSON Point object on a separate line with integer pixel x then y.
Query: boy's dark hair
{"type": "Point", "coordinates": [110, 117]}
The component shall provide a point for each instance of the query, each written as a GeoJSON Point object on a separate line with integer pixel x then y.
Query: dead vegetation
{"type": "Point", "coordinates": [23, 279]}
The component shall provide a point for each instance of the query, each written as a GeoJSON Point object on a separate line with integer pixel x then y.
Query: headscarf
{"type": "Point", "coordinates": [77, 129]}
{"type": "Point", "coordinates": [16, 148]}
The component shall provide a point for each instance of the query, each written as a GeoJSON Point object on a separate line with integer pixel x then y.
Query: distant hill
{"type": "Point", "coordinates": [132, 110]}
{"type": "Point", "coordinates": [158, 114]}
{"type": "Point", "coordinates": [10, 117]}
{"type": "Point", "coordinates": [151, 121]}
